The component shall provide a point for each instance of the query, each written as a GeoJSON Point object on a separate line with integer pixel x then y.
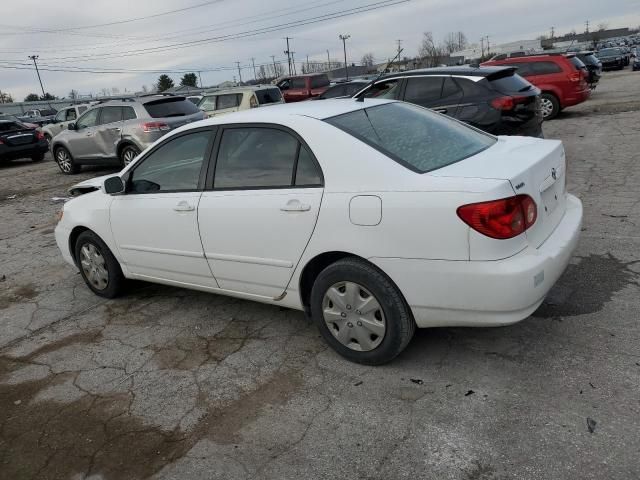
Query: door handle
{"type": "Point", "coordinates": [440, 110]}
{"type": "Point", "coordinates": [115, 129]}
{"type": "Point", "coordinates": [184, 206]}
{"type": "Point", "coordinates": [295, 206]}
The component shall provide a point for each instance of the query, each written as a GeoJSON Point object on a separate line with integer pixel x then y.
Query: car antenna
{"type": "Point", "coordinates": [384, 70]}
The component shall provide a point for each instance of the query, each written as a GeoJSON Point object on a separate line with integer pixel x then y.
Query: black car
{"type": "Point", "coordinates": [636, 63]}
{"type": "Point", "coordinates": [17, 140]}
{"type": "Point", "coordinates": [339, 90]}
{"type": "Point", "coordinates": [593, 64]}
{"type": "Point", "coordinates": [493, 99]}
{"type": "Point", "coordinates": [612, 58]}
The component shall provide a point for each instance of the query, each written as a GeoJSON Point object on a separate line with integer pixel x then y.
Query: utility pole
{"type": "Point", "coordinates": [553, 31]}
{"type": "Point", "coordinates": [344, 39]}
{"type": "Point", "coordinates": [293, 63]}
{"type": "Point", "coordinates": [587, 25]}
{"type": "Point", "coordinates": [482, 46]}
{"type": "Point", "coordinates": [328, 61]}
{"type": "Point", "coordinates": [399, 45]}
{"type": "Point", "coordinates": [488, 46]}
{"type": "Point", "coordinates": [288, 52]}
{"type": "Point", "coordinates": [200, 77]}
{"type": "Point", "coordinates": [239, 72]}
{"type": "Point", "coordinates": [308, 64]}
{"type": "Point", "coordinates": [275, 70]}
{"type": "Point", "coordinates": [253, 62]}
{"type": "Point", "coordinates": [34, 58]}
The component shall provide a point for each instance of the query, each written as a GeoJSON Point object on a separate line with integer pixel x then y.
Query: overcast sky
{"type": "Point", "coordinates": [46, 29]}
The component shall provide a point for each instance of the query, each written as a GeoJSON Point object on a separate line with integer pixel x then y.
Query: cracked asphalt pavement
{"type": "Point", "coordinates": [173, 384]}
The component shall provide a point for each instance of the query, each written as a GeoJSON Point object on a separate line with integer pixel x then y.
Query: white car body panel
{"type": "Point", "coordinates": [406, 225]}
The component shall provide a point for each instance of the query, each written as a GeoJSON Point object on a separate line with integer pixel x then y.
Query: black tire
{"type": "Point", "coordinates": [38, 157]}
{"type": "Point", "coordinates": [116, 280]}
{"type": "Point", "coordinates": [399, 322]}
{"type": "Point", "coordinates": [126, 152]}
{"type": "Point", "coordinates": [555, 105]}
{"type": "Point", "coordinates": [67, 167]}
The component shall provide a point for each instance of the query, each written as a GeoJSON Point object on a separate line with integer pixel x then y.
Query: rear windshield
{"type": "Point", "coordinates": [48, 112]}
{"type": "Point", "coordinates": [415, 137]}
{"type": "Point", "coordinates": [268, 95]}
{"type": "Point", "coordinates": [589, 59]}
{"type": "Point", "coordinates": [170, 107]}
{"type": "Point", "coordinates": [510, 84]}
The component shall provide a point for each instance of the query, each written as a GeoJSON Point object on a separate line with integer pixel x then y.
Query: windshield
{"type": "Point", "coordinates": [415, 137]}
{"type": "Point", "coordinates": [609, 52]}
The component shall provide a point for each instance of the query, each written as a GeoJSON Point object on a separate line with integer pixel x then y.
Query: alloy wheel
{"type": "Point", "coordinates": [94, 266]}
{"type": "Point", "coordinates": [354, 316]}
{"type": "Point", "coordinates": [128, 156]}
{"type": "Point", "coordinates": [64, 160]}
{"type": "Point", "coordinates": [546, 106]}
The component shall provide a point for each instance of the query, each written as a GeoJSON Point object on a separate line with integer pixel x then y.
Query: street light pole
{"type": "Point", "coordinates": [344, 39]}
{"type": "Point", "coordinates": [34, 58]}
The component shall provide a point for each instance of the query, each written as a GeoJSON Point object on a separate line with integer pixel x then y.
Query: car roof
{"type": "Point", "coordinates": [463, 70]}
{"type": "Point", "coordinates": [248, 88]}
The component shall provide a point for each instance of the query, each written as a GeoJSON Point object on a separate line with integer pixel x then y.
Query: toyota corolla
{"type": "Point", "coordinates": [374, 217]}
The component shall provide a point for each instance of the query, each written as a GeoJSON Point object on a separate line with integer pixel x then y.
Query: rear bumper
{"type": "Point", "coordinates": [486, 293]}
{"type": "Point", "coordinates": [576, 97]}
{"type": "Point", "coordinates": [23, 151]}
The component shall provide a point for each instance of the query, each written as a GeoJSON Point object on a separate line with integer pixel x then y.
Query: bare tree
{"type": "Point", "coordinates": [602, 26]}
{"type": "Point", "coordinates": [431, 55]}
{"type": "Point", "coordinates": [105, 92]}
{"type": "Point", "coordinates": [367, 60]}
{"type": "Point", "coordinates": [144, 89]}
{"type": "Point", "coordinates": [73, 94]}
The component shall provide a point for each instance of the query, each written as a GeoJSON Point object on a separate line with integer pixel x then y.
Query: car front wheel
{"type": "Point", "coordinates": [65, 161]}
{"type": "Point", "coordinates": [98, 267]}
{"type": "Point", "coordinates": [549, 105]}
{"type": "Point", "coordinates": [360, 312]}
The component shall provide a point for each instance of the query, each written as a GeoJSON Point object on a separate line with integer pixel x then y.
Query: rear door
{"type": "Point", "coordinates": [109, 132]}
{"type": "Point", "coordinates": [260, 209]}
{"type": "Point", "coordinates": [472, 108]}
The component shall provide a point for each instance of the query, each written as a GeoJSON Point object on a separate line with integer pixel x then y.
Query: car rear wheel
{"type": "Point", "coordinates": [360, 312]}
{"type": "Point", "coordinates": [65, 161]}
{"type": "Point", "coordinates": [128, 154]}
{"type": "Point", "coordinates": [98, 267]}
{"type": "Point", "coordinates": [549, 105]}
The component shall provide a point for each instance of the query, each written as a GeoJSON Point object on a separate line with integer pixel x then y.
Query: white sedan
{"type": "Point", "coordinates": [373, 217]}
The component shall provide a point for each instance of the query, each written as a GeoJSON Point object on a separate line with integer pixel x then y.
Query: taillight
{"type": "Point", "coordinates": [575, 76]}
{"type": "Point", "coordinates": [507, 102]}
{"type": "Point", "coordinates": [500, 219]}
{"type": "Point", "coordinates": [155, 127]}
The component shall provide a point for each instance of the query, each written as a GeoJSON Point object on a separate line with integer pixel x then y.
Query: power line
{"type": "Point", "coordinates": [249, 33]}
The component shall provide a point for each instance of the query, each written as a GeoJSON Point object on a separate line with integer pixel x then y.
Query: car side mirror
{"type": "Point", "coordinates": [114, 185]}
{"type": "Point", "coordinates": [72, 126]}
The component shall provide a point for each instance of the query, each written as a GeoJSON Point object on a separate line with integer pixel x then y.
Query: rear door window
{"type": "Point", "coordinates": [451, 92]}
{"type": "Point", "coordinates": [128, 113]}
{"type": "Point", "coordinates": [268, 95]}
{"type": "Point", "coordinates": [170, 107]}
{"type": "Point", "coordinates": [298, 83]}
{"type": "Point", "coordinates": [545, 68]}
{"type": "Point", "coordinates": [383, 89]}
{"type": "Point", "coordinates": [524, 69]}
{"type": "Point", "coordinates": [423, 90]}
{"type": "Point", "coordinates": [333, 92]}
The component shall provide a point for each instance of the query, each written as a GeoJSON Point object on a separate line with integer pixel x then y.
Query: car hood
{"type": "Point", "coordinates": [88, 185]}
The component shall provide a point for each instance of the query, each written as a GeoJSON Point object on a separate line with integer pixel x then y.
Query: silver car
{"type": "Point", "coordinates": [115, 132]}
{"type": "Point", "coordinates": [62, 120]}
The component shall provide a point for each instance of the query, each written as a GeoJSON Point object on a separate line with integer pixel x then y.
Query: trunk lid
{"type": "Point", "coordinates": [16, 138]}
{"type": "Point", "coordinates": [532, 166]}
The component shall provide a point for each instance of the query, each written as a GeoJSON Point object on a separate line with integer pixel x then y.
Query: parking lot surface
{"type": "Point", "coordinates": [175, 384]}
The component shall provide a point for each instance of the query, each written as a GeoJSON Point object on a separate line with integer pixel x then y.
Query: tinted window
{"type": "Point", "coordinates": [470, 88]}
{"type": "Point", "coordinates": [9, 126]}
{"type": "Point", "coordinates": [89, 119]}
{"type": "Point", "coordinates": [333, 92]}
{"type": "Point", "coordinates": [450, 89]}
{"type": "Point", "coordinates": [589, 59]}
{"type": "Point", "coordinates": [353, 88]}
{"type": "Point", "coordinates": [110, 115]}
{"type": "Point", "coordinates": [545, 68]}
{"type": "Point", "coordinates": [70, 114]}
{"type": "Point", "coordinates": [413, 136]}
{"type": "Point", "coordinates": [284, 85]}
{"type": "Point", "coordinates": [255, 157]}
{"type": "Point", "coordinates": [384, 89]}
{"type": "Point", "coordinates": [170, 107]}
{"type": "Point", "coordinates": [320, 81]}
{"type": "Point", "coordinates": [45, 113]}
{"type": "Point", "coordinates": [173, 166]}
{"type": "Point", "coordinates": [424, 90]}
{"type": "Point", "coordinates": [510, 84]}
{"type": "Point", "coordinates": [228, 101]}
{"type": "Point", "coordinates": [298, 83]}
{"type": "Point", "coordinates": [268, 95]}
{"type": "Point", "coordinates": [128, 113]}
{"type": "Point", "coordinates": [524, 69]}
{"type": "Point", "coordinates": [308, 172]}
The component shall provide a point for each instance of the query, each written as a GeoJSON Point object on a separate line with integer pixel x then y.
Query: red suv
{"type": "Point", "coordinates": [302, 87]}
{"type": "Point", "coordinates": [561, 78]}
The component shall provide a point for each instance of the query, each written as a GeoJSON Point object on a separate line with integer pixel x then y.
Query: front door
{"type": "Point", "coordinates": [155, 223]}
{"type": "Point", "coordinates": [257, 220]}
{"type": "Point", "coordinates": [82, 140]}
